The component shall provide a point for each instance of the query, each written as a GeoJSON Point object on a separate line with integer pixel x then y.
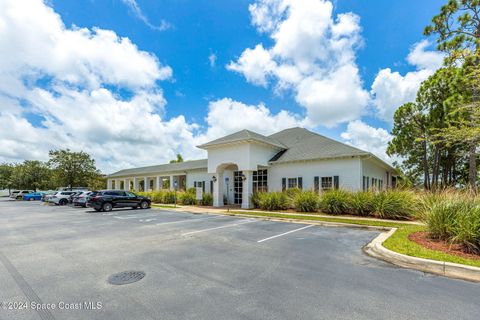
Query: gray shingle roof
{"type": "Point", "coordinates": [163, 168]}
{"type": "Point", "coordinates": [306, 145]}
{"type": "Point", "coordinates": [244, 135]}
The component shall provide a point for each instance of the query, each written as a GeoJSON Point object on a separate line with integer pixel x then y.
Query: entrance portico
{"type": "Point", "coordinates": [233, 160]}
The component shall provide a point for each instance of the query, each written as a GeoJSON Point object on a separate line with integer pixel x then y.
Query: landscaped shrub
{"type": "Point", "coordinates": [362, 203]}
{"type": "Point", "coordinates": [442, 218]}
{"type": "Point", "coordinates": [335, 202]}
{"type": "Point", "coordinates": [207, 199]}
{"type": "Point", "coordinates": [306, 201]}
{"type": "Point", "coordinates": [256, 199]}
{"type": "Point", "coordinates": [158, 196]}
{"type": "Point", "coordinates": [273, 201]}
{"type": "Point", "coordinates": [187, 198]}
{"type": "Point", "coordinates": [169, 197]}
{"type": "Point", "coordinates": [394, 204]}
{"type": "Point", "coordinates": [467, 227]}
{"type": "Point", "coordinates": [291, 195]}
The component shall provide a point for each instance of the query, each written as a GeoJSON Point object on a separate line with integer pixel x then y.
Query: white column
{"type": "Point", "coordinates": [126, 184]}
{"type": "Point", "coordinates": [171, 183]}
{"type": "Point", "coordinates": [218, 190]}
{"type": "Point", "coordinates": [136, 184]}
{"type": "Point", "coordinates": [146, 184]}
{"type": "Point", "coordinates": [159, 183]}
{"type": "Point", "coordinates": [117, 184]}
{"type": "Point", "coordinates": [109, 184]}
{"type": "Point", "coordinates": [247, 190]}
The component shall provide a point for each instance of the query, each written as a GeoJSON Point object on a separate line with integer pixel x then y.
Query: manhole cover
{"type": "Point", "coordinates": [126, 277]}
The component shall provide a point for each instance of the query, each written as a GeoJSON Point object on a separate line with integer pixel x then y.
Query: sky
{"type": "Point", "coordinates": [134, 82]}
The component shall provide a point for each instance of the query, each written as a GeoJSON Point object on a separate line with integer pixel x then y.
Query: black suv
{"type": "Point", "coordinates": [106, 200]}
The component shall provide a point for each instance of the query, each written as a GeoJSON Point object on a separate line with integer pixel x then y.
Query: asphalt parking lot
{"type": "Point", "coordinates": [205, 267]}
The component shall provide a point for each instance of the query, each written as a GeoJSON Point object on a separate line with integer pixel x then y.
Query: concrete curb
{"type": "Point", "coordinates": [448, 269]}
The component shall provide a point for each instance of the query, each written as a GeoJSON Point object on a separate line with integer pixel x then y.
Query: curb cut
{"type": "Point", "coordinates": [447, 269]}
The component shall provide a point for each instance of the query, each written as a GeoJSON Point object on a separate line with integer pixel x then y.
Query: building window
{"type": "Point", "coordinates": [327, 183]}
{"type": "Point", "coordinates": [199, 184]}
{"type": "Point", "coordinates": [364, 185]}
{"type": "Point", "coordinates": [260, 181]}
{"type": "Point", "coordinates": [237, 186]}
{"type": "Point", "coordinates": [292, 183]}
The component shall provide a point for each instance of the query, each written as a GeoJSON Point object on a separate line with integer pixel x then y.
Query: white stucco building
{"type": "Point", "coordinates": [245, 162]}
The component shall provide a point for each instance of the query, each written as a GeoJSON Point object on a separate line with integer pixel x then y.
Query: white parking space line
{"type": "Point", "coordinates": [285, 233]}
{"type": "Point", "coordinates": [135, 216]}
{"type": "Point", "coordinates": [221, 227]}
{"type": "Point", "coordinates": [187, 220]}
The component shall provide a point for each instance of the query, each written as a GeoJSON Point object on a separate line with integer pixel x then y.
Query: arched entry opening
{"type": "Point", "coordinates": [232, 186]}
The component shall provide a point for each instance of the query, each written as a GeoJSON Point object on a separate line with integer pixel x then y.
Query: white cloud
{"type": "Point", "coordinates": [368, 138]}
{"type": "Point", "coordinates": [135, 8]}
{"type": "Point", "coordinates": [391, 89]}
{"type": "Point", "coordinates": [212, 58]}
{"type": "Point", "coordinates": [226, 116]}
{"type": "Point", "coordinates": [313, 54]}
{"type": "Point", "coordinates": [67, 78]}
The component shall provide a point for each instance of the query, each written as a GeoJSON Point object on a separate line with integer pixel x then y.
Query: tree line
{"type": "Point", "coordinates": [63, 169]}
{"type": "Point", "coordinates": [437, 136]}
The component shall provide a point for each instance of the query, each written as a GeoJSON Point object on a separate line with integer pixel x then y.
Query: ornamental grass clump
{"type": "Point", "coordinates": [394, 204]}
{"type": "Point", "coordinates": [273, 201]}
{"type": "Point", "coordinates": [306, 201]}
{"type": "Point", "coordinates": [466, 231]}
{"type": "Point", "coordinates": [187, 198]}
{"type": "Point", "coordinates": [362, 203]}
{"type": "Point", "coordinates": [335, 202]}
{"type": "Point", "coordinates": [207, 199]}
{"type": "Point", "coordinates": [442, 218]}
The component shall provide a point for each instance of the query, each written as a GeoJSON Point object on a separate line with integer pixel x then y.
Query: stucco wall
{"type": "Point", "coordinates": [371, 170]}
{"type": "Point", "coordinates": [247, 156]}
{"type": "Point", "coordinates": [348, 170]}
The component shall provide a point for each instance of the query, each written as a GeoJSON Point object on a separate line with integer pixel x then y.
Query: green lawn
{"type": "Point", "coordinates": [156, 205]}
{"type": "Point", "coordinates": [398, 242]}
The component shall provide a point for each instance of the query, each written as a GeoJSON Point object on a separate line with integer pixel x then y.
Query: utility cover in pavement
{"type": "Point", "coordinates": [126, 277]}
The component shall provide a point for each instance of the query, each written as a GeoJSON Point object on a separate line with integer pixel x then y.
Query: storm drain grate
{"type": "Point", "coordinates": [126, 277]}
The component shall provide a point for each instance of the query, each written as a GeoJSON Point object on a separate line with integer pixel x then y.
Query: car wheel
{"type": "Point", "coordinates": [63, 202]}
{"type": "Point", "coordinates": [144, 205]}
{"type": "Point", "coordinates": [107, 207]}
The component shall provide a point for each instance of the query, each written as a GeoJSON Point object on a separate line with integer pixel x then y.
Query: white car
{"type": "Point", "coordinates": [20, 194]}
{"type": "Point", "coordinates": [61, 197]}
{"type": "Point", "coordinates": [80, 199]}
{"type": "Point", "coordinates": [14, 194]}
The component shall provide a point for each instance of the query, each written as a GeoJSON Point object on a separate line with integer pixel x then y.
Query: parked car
{"type": "Point", "coordinates": [33, 196]}
{"type": "Point", "coordinates": [48, 194]}
{"type": "Point", "coordinates": [21, 193]}
{"type": "Point", "coordinates": [14, 194]}
{"type": "Point", "coordinates": [60, 198]}
{"type": "Point", "coordinates": [106, 200]}
{"type": "Point", "coordinates": [80, 198]}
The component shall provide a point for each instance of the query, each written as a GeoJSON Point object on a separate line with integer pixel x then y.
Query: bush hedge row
{"type": "Point", "coordinates": [393, 204]}
{"type": "Point", "coordinates": [181, 197]}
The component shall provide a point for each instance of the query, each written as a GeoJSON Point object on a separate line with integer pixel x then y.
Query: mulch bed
{"type": "Point", "coordinates": [423, 239]}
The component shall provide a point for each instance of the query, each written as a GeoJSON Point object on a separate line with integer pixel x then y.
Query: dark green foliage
{"type": "Point", "coordinates": [362, 203]}
{"type": "Point", "coordinates": [273, 201]}
{"type": "Point", "coordinates": [394, 204]}
{"type": "Point", "coordinates": [306, 201]}
{"type": "Point", "coordinates": [335, 202]}
{"type": "Point", "coordinates": [207, 199]}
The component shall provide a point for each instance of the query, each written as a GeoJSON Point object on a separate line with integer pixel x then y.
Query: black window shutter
{"type": "Point", "coordinates": [300, 183]}
{"type": "Point", "coordinates": [211, 186]}
{"type": "Point", "coordinates": [284, 184]}
{"type": "Point", "coordinates": [194, 184]}
{"type": "Point", "coordinates": [316, 184]}
{"type": "Point", "coordinates": [335, 182]}
{"type": "Point", "coordinates": [203, 186]}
